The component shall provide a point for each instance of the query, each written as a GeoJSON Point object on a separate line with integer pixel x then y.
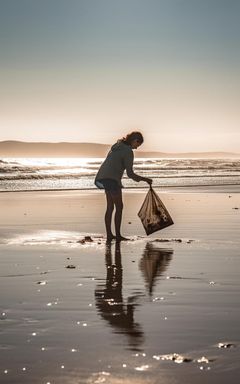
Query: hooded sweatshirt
{"type": "Point", "coordinates": [119, 159]}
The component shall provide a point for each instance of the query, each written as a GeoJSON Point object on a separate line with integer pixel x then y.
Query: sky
{"type": "Point", "coordinates": [94, 70]}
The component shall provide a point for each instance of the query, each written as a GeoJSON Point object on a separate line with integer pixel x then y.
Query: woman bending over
{"type": "Point", "coordinates": [109, 176]}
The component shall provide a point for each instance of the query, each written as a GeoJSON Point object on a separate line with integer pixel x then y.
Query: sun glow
{"type": "Point", "coordinates": [55, 161]}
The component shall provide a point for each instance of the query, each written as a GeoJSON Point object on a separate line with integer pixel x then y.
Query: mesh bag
{"type": "Point", "coordinates": [153, 213]}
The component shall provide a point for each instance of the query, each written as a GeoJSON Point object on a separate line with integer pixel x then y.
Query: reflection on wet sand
{"type": "Point", "coordinates": [110, 303]}
{"type": "Point", "coordinates": [119, 311]}
{"type": "Point", "coordinates": [154, 263]}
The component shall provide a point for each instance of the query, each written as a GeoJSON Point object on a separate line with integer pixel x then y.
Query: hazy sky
{"type": "Point", "coordinates": [92, 70]}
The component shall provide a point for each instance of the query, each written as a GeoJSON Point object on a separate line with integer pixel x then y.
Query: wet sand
{"type": "Point", "coordinates": [156, 309]}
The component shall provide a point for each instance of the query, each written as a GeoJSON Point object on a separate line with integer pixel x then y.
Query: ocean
{"type": "Point", "coordinates": [25, 174]}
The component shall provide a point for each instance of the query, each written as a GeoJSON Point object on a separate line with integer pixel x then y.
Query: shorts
{"type": "Point", "coordinates": [109, 185]}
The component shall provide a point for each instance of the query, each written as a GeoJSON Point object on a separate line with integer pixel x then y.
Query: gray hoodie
{"type": "Point", "coordinates": [119, 159]}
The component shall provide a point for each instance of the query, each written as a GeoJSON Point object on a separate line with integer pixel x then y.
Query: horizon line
{"type": "Point", "coordinates": [105, 144]}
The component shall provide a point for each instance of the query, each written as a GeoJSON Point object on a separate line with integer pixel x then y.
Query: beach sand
{"type": "Point", "coordinates": [157, 309]}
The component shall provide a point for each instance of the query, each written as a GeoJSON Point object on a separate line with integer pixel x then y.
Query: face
{"type": "Point", "coordinates": [135, 143]}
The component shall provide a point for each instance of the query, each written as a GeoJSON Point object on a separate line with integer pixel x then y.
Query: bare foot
{"type": "Point", "coordinates": [121, 238]}
{"type": "Point", "coordinates": [110, 237]}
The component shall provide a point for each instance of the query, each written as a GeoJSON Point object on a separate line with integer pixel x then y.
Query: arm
{"type": "Point", "coordinates": [128, 163]}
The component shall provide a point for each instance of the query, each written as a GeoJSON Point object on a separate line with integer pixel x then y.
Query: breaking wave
{"type": "Point", "coordinates": [78, 173]}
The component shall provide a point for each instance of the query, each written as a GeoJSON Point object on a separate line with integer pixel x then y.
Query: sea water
{"type": "Point", "coordinates": [20, 174]}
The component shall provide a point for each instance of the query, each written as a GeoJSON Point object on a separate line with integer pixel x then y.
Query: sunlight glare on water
{"type": "Point", "coordinates": [55, 161]}
{"type": "Point", "coordinates": [78, 173]}
{"type": "Point", "coordinates": [44, 237]}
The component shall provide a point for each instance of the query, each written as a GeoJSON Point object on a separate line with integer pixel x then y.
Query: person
{"type": "Point", "coordinates": [109, 176]}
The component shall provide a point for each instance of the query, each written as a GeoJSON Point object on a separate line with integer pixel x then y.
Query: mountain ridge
{"type": "Point", "coordinates": [14, 148]}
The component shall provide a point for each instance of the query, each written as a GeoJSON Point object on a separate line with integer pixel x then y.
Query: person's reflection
{"type": "Point", "coordinates": [153, 264]}
{"type": "Point", "coordinates": [110, 302]}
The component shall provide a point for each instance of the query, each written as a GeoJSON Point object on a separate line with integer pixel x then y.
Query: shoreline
{"type": "Point", "coordinates": [221, 188]}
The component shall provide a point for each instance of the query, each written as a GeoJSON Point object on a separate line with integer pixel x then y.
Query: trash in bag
{"type": "Point", "coordinates": [153, 213]}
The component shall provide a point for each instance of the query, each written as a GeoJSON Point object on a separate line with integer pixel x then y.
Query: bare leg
{"type": "Point", "coordinates": [108, 216]}
{"type": "Point", "coordinates": [117, 200]}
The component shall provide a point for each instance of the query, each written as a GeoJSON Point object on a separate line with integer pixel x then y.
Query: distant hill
{"type": "Point", "coordinates": [43, 149]}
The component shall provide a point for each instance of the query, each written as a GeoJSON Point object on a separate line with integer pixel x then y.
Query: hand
{"type": "Point", "coordinates": [149, 181]}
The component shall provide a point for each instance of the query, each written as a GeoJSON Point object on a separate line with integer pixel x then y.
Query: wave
{"type": "Point", "coordinates": [74, 176]}
{"type": "Point", "coordinates": [43, 176]}
{"type": "Point", "coordinates": [90, 169]}
{"type": "Point", "coordinates": [64, 174]}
